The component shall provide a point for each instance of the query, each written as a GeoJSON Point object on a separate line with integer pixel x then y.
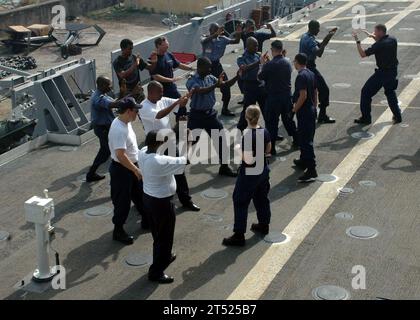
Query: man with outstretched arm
{"type": "Point", "coordinates": [385, 76]}
{"type": "Point", "coordinates": [314, 49]}
{"type": "Point", "coordinates": [214, 47]}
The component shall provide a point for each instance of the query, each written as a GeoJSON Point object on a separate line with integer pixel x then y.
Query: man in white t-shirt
{"type": "Point", "coordinates": [125, 174]}
{"type": "Point", "coordinates": [155, 115]}
{"type": "Point", "coordinates": [159, 186]}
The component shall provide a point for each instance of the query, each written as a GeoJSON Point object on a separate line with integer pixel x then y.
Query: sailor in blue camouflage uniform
{"type": "Point", "coordinates": [254, 91]}
{"type": "Point", "coordinates": [313, 49]}
{"type": "Point", "coordinates": [102, 117]}
{"type": "Point", "coordinates": [202, 113]}
{"type": "Point", "coordinates": [214, 47]}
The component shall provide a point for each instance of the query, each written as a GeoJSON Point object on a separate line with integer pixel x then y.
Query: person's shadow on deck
{"type": "Point", "coordinates": [409, 168]}
{"type": "Point", "coordinates": [217, 263]}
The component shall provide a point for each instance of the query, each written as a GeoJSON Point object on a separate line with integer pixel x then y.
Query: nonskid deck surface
{"type": "Point", "coordinates": [383, 173]}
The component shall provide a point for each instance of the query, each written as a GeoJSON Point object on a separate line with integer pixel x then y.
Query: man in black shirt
{"type": "Point", "coordinates": [385, 51]}
{"type": "Point", "coordinates": [305, 100]}
{"type": "Point", "coordinates": [128, 66]}
{"type": "Point", "coordinates": [231, 24]}
{"type": "Point", "coordinates": [164, 71]}
{"type": "Point", "coordinates": [261, 36]}
{"type": "Point", "coordinates": [277, 76]}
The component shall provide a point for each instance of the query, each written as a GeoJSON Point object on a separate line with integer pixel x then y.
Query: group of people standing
{"type": "Point", "coordinates": [150, 178]}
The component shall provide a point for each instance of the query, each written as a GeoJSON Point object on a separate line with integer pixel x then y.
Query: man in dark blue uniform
{"type": "Point", "coordinates": [214, 47]}
{"type": "Point", "coordinates": [202, 113]}
{"type": "Point", "coordinates": [313, 49]}
{"type": "Point", "coordinates": [128, 66]}
{"type": "Point", "coordinates": [385, 51]}
{"type": "Point", "coordinates": [102, 117]}
{"type": "Point", "coordinates": [305, 100]}
{"type": "Point", "coordinates": [164, 70]}
{"type": "Point", "coordinates": [231, 24]}
{"type": "Point", "coordinates": [277, 75]}
{"type": "Point", "coordinates": [253, 89]}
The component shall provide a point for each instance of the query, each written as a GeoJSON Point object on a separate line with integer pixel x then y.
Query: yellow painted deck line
{"type": "Point", "coordinates": [275, 258]}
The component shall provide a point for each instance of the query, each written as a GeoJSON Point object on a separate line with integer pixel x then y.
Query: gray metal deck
{"type": "Point", "coordinates": [204, 269]}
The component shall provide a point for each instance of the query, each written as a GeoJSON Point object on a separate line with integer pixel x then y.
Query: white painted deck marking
{"type": "Point", "coordinates": [298, 33]}
{"type": "Point", "coordinates": [382, 1]}
{"type": "Point", "coordinates": [372, 15]}
{"type": "Point", "coordinates": [400, 44]}
{"type": "Point", "coordinates": [373, 104]}
{"type": "Point", "coordinates": [395, 20]}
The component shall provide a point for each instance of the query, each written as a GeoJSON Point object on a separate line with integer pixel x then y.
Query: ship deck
{"type": "Point", "coordinates": [318, 253]}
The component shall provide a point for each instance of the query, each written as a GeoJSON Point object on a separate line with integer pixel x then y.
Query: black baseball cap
{"type": "Point", "coordinates": [128, 103]}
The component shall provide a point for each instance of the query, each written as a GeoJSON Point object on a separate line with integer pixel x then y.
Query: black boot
{"type": "Point", "coordinates": [120, 235]}
{"type": "Point", "coordinates": [225, 110]}
{"type": "Point", "coordinates": [163, 279]}
{"type": "Point", "coordinates": [396, 120]}
{"type": "Point", "coordinates": [323, 117]}
{"type": "Point", "coordinates": [237, 240]}
{"type": "Point", "coordinates": [309, 176]}
{"type": "Point", "coordinates": [190, 206]}
{"type": "Point", "coordinates": [93, 176]}
{"type": "Point", "coordinates": [262, 228]}
{"type": "Point", "coordinates": [362, 120]}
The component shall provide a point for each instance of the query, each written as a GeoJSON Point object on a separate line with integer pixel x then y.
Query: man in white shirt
{"type": "Point", "coordinates": [125, 174]}
{"type": "Point", "coordinates": [154, 115]}
{"type": "Point", "coordinates": [159, 186]}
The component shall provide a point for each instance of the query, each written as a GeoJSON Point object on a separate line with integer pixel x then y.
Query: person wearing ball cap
{"type": "Point", "coordinates": [124, 170]}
